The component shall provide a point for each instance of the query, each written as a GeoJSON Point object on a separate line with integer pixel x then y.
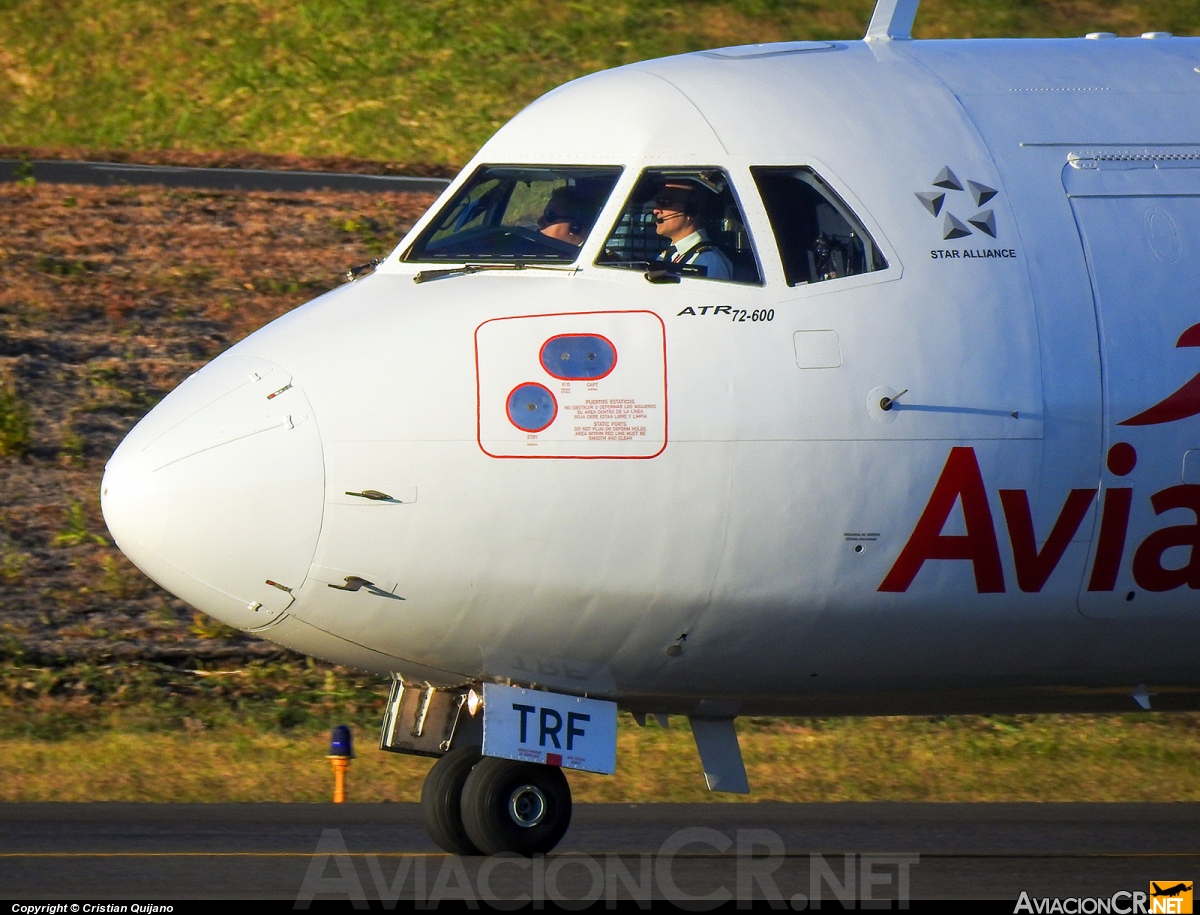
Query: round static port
{"type": "Point", "coordinates": [578, 357]}
{"type": "Point", "coordinates": [531, 407]}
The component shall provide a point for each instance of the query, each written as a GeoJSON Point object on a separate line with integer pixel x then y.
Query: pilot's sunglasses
{"type": "Point", "coordinates": [548, 219]}
{"type": "Point", "coordinates": [669, 202]}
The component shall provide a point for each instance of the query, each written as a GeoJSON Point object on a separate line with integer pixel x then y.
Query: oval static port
{"type": "Point", "coordinates": [579, 357]}
{"type": "Point", "coordinates": [531, 407]}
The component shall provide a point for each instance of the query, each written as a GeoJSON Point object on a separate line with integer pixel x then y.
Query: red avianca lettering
{"type": "Point", "coordinates": [962, 481]}
{"type": "Point", "coordinates": [1182, 404]}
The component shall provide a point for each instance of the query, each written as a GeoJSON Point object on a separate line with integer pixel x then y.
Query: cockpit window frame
{"type": "Point", "coordinates": [886, 264]}
{"type": "Point", "coordinates": [417, 251]}
{"type": "Point", "coordinates": [683, 171]}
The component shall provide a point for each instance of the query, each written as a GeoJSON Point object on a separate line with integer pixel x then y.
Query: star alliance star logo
{"type": "Point", "coordinates": [952, 227]}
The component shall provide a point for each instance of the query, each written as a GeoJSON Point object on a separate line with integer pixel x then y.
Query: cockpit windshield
{"type": "Point", "coordinates": [527, 214]}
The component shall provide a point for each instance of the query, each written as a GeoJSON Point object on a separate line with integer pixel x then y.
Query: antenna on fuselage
{"type": "Point", "coordinates": [892, 19]}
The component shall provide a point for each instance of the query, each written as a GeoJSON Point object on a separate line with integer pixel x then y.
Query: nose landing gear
{"type": "Point", "coordinates": [484, 805]}
{"type": "Point", "coordinates": [516, 806]}
{"type": "Point", "coordinates": [472, 804]}
{"type": "Point", "coordinates": [441, 800]}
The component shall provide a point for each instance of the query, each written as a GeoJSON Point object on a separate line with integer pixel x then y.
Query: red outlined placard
{"type": "Point", "coordinates": [620, 415]}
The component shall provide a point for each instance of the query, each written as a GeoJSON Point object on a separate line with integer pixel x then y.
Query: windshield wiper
{"type": "Point", "coordinates": [425, 276]}
{"type": "Point", "coordinates": [657, 271]}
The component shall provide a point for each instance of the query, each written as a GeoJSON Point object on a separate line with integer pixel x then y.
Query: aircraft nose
{"type": "Point", "coordinates": [217, 493]}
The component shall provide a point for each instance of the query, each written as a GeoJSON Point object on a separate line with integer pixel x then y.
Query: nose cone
{"type": "Point", "coordinates": [217, 493]}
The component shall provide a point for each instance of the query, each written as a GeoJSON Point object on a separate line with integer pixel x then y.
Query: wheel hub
{"type": "Point", "coordinates": [527, 806]}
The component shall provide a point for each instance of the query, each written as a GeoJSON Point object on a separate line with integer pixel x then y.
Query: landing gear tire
{"type": "Point", "coordinates": [515, 807]}
{"type": "Point", "coordinates": [441, 800]}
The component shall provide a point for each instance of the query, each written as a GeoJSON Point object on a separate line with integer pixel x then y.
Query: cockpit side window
{"type": "Point", "coordinates": [819, 237]}
{"type": "Point", "coordinates": [685, 221]}
{"type": "Point", "coordinates": [510, 213]}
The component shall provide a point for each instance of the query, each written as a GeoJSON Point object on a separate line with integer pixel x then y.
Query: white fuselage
{"type": "Point", "coordinates": [730, 517]}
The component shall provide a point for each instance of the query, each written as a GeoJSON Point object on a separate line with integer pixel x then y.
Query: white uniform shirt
{"type": "Point", "coordinates": [719, 266]}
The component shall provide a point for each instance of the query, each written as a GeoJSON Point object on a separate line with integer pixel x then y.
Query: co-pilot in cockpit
{"type": "Point", "coordinates": [518, 214]}
{"type": "Point", "coordinates": [569, 213]}
{"type": "Point", "coordinates": [677, 223]}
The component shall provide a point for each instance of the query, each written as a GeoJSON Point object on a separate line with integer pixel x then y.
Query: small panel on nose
{"type": "Point", "coordinates": [817, 349]}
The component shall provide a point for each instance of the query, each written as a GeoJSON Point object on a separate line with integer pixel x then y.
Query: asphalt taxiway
{"type": "Point", "coordinates": [682, 851]}
{"type": "Point", "coordinates": [56, 171]}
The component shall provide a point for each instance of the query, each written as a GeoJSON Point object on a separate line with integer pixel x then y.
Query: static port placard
{"type": "Point", "coordinates": [581, 385]}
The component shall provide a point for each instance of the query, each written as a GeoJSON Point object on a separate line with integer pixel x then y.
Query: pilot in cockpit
{"type": "Point", "coordinates": [568, 216]}
{"type": "Point", "coordinates": [678, 214]}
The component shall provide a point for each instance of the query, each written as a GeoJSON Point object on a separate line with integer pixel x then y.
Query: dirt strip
{"type": "Point", "coordinates": [109, 297]}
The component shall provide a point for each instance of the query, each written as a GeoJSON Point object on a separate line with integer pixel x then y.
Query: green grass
{"type": "Point", "coordinates": [15, 422]}
{"type": "Point", "coordinates": [151, 732]}
{"type": "Point", "coordinates": [422, 81]}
